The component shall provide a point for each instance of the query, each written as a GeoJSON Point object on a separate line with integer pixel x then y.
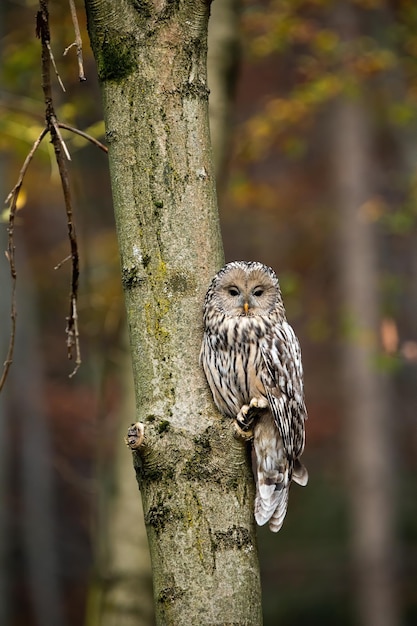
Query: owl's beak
{"type": "Point", "coordinates": [246, 308]}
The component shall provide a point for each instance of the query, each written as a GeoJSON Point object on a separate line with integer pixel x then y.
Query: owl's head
{"type": "Point", "coordinates": [245, 288]}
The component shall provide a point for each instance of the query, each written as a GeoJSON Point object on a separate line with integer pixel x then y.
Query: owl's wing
{"type": "Point", "coordinates": [283, 381]}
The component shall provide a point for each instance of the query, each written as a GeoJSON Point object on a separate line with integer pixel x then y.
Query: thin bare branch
{"type": "Point", "coordinates": [10, 257]}
{"type": "Point", "coordinates": [61, 263]}
{"type": "Point", "coordinates": [25, 166]}
{"type": "Point", "coordinates": [58, 132]}
{"type": "Point", "coordinates": [51, 56]}
{"type": "Point", "coordinates": [10, 253]}
{"type": "Point", "coordinates": [73, 337]}
{"type": "Point", "coordinates": [42, 30]}
{"type": "Point", "coordinates": [68, 48]}
{"type": "Point", "coordinates": [77, 43]}
{"type": "Point", "coordinates": [52, 127]}
{"type": "Point", "coordinates": [76, 131]}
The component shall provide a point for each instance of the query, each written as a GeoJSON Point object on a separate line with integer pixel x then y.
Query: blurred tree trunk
{"type": "Point", "coordinates": [38, 512]}
{"type": "Point", "coordinates": [121, 591]}
{"type": "Point", "coordinates": [23, 408]}
{"type": "Point", "coordinates": [367, 390]}
{"type": "Point", "coordinates": [222, 65]}
{"type": "Point", "coordinates": [195, 478]}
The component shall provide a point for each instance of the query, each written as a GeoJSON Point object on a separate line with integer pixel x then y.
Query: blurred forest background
{"type": "Point", "coordinates": [318, 178]}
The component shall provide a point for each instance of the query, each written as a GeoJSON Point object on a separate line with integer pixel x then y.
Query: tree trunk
{"type": "Point", "coordinates": [34, 463]}
{"type": "Point", "coordinates": [121, 590]}
{"type": "Point", "coordinates": [196, 480]}
{"type": "Point", "coordinates": [367, 397]}
{"type": "Point", "coordinates": [367, 391]}
{"type": "Point", "coordinates": [223, 57]}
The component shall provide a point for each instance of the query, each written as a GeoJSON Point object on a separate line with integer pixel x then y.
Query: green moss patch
{"type": "Point", "coordinates": [115, 57]}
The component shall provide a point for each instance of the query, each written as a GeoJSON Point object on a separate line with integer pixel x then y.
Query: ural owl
{"type": "Point", "coordinates": [252, 362]}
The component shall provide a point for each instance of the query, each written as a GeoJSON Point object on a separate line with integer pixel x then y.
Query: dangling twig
{"type": "Point", "coordinates": [53, 128]}
{"type": "Point", "coordinates": [77, 43]}
{"type": "Point", "coordinates": [51, 56]}
{"type": "Point", "coordinates": [73, 337]}
{"type": "Point", "coordinates": [10, 253]}
{"type": "Point", "coordinates": [42, 30]}
{"type": "Point", "coordinates": [18, 185]}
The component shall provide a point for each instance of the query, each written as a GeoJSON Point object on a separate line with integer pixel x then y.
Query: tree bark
{"type": "Point", "coordinates": [196, 480]}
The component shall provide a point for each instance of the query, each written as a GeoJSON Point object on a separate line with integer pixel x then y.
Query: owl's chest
{"type": "Point", "coordinates": [239, 352]}
{"type": "Point", "coordinates": [239, 333]}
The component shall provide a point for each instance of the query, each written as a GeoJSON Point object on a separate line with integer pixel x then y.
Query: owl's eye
{"type": "Point", "coordinates": [234, 291]}
{"type": "Point", "coordinates": [258, 292]}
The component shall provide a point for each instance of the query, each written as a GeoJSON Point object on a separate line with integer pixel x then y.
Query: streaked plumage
{"type": "Point", "coordinates": [252, 361]}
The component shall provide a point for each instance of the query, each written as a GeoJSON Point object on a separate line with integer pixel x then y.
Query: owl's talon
{"type": "Point", "coordinates": [244, 433]}
{"type": "Point", "coordinates": [245, 417]}
{"type": "Point", "coordinates": [241, 416]}
{"type": "Point", "coordinates": [249, 412]}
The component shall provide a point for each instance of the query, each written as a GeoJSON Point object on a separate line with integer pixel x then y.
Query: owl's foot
{"type": "Point", "coordinates": [245, 433]}
{"type": "Point", "coordinates": [135, 436]}
{"type": "Point", "coordinates": [246, 416]}
{"type": "Point", "coordinates": [259, 403]}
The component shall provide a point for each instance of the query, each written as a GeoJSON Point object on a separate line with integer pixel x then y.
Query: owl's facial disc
{"type": "Point", "coordinates": [243, 293]}
{"type": "Point", "coordinates": [249, 299]}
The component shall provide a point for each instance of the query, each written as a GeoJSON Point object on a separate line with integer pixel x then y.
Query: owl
{"type": "Point", "coordinates": [252, 362]}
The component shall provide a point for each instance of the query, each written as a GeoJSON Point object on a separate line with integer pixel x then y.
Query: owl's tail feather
{"type": "Point", "coordinates": [272, 474]}
{"type": "Point", "coordinates": [278, 516]}
{"type": "Point", "coordinates": [272, 509]}
{"type": "Point", "coordinates": [272, 492]}
{"type": "Point", "coordinates": [272, 484]}
{"type": "Point", "coordinates": [300, 473]}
